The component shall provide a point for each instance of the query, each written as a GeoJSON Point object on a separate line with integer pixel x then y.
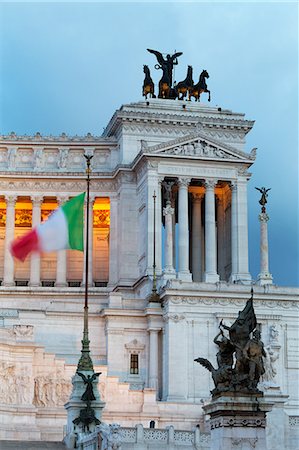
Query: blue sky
{"type": "Point", "coordinates": [66, 67]}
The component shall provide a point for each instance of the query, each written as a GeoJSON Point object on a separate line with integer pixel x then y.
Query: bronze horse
{"type": "Point", "coordinates": [200, 87]}
{"type": "Point", "coordinates": [184, 86]}
{"type": "Point", "coordinates": [164, 86]}
{"type": "Point", "coordinates": [148, 84]}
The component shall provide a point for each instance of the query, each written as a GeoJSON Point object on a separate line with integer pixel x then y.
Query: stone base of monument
{"type": "Point", "coordinates": [75, 405]}
{"type": "Point", "coordinates": [238, 421]}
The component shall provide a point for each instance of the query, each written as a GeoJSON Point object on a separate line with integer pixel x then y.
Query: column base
{"type": "Point", "coordinates": [8, 283]}
{"type": "Point", "coordinates": [211, 278]}
{"type": "Point", "coordinates": [34, 284]}
{"type": "Point", "coordinates": [61, 284]}
{"type": "Point", "coordinates": [264, 278]}
{"type": "Point", "coordinates": [169, 274]}
{"type": "Point", "coordinates": [240, 278]}
{"type": "Point", "coordinates": [185, 276]}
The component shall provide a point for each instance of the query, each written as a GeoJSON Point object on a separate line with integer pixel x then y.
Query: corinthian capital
{"type": "Point", "coordinates": [36, 200]}
{"type": "Point", "coordinates": [11, 199]}
{"type": "Point", "coordinates": [210, 184]}
{"type": "Point", "coordinates": [184, 182]}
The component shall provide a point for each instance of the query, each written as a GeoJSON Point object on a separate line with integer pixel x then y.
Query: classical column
{"type": "Point", "coordinates": [90, 243]}
{"type": "Point", "coordinates": [196, 236]}
{"type": "Point", "coordinates": [211, 275]}
{"type": "Point", "coordinates": [8, 277]}
{"type": "Point", "coordinates": [61, 266]}
{"type": "Point", "coordinates": [154, 186]}
{"type": "Point", "coordinates": [183, 235]}
{"type": "Point", "coordinates": [239, 234]}
{"type": "Point", "coordinates": [153, 358]}
{"type": "Point", "coordinates": [264, 276]}
{"type": "Point", "coordinates": [113, 241]}
{"type": "Point", "coordinates": [168, 212]}
{"type": "Point", "coordinates": [220, 236]}
{"type": "Point", "coordinates": [234, 232]}
{"type": "Point", "coordinates": [35, 257]}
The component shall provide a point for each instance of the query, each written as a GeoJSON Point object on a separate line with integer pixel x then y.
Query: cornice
{"type": "Point", "coordinates": [63, 139]}
{"type": "Point", "coordinates": [209, 117]}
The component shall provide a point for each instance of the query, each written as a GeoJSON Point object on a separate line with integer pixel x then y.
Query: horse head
{"type": "Point", "coordinates": [205, 74]}
{"type": "Point", "coordinates": [145, 69]}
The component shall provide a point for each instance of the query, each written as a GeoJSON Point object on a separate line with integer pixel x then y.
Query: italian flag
{"type": "Point", "coordinates": [62, 230]}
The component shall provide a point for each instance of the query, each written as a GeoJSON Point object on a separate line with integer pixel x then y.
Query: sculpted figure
{"type": "Point", "coordinates": [88, 395]}
{"type": "Point", "coordinates": [254, 351]}
{"type": "Point", "coordinates": [166, 64]}
{"type": "Point", "coordinates": [63, 158]}
{"type": "Point", "coordinates": [111, 437]}
{"type": "Point", "coordinates": [226, 350]}
{"type": "Point", "coordinates": [263, 199]}
{"type": "Point", "coordinates": [38, 154]}
{"type": "Point", "coordinates": [268, 377]}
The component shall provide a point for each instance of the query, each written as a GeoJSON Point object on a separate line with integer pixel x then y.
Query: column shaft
{"type": "Point", "coordinates": [264, 276]}
{"type": "Point", "coordinates": [90, 244]}
{"type": "Point", "coordinates": [61, 266]}
{"type": "Point", "coordinates": [239, 233]}
{"type": "Point", "coordinates": [153, 359]}
{"type": "Point", "coordinates": [35, 257]}
{"type": "Point", "coordinates": [113, 240]}
{"type": "Point", "coordinates": [196, 237]}
{"type": "Point", "coordinates": [211, 275]}
{"type": "Point", "coordinates": [8, 276]}
{"type": "Point", "coordinates": [220, 237]}
{"type": "Point", "coordinates": [183, 235]}
{"type": "Point", "coordinates": [168, 212]}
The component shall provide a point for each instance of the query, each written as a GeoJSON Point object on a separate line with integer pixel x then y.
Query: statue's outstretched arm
{"type": "Point", "coordinates": [176, 55]}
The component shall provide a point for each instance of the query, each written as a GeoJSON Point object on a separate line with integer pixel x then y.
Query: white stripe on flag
{"type": "Point", "coordinates": [53, 234]}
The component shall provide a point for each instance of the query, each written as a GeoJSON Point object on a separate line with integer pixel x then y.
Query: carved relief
{"type": "Point", "coordinates": [15, 385]}
{"type": "Point", "coordinates": [51, 389]}
{"type": "Point", "coordinates": [101, 218]}
{"type": "Point", "coordinates": [23, 331]}
{"type": "Point", "coordinates": [173, 318]}
{"type": "Point", "coordinates": [23, 218]}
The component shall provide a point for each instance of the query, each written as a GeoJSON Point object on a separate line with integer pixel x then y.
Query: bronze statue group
{"type": "Point", "coordinates": [240, 355]}
{"type": "Point", "coordinates": [168, 89]}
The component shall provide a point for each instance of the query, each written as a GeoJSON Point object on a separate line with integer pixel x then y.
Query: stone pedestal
{"type": "Point", "coordinates": [75, 404]}
{"type": "Point", "coordinates": [238, 422]}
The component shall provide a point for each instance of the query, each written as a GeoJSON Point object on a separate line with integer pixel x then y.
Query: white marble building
{"type": "Point", "coordinates": [144, 351]}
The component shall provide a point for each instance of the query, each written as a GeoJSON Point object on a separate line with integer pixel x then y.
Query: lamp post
{"type": "Point", "coordinates": [85, 361]}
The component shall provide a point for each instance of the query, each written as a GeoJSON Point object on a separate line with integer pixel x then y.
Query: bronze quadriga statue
{"type": "Point", "coordinates": [244, 346]}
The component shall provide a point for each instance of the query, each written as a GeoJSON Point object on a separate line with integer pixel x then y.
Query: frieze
{"type": "Point", "coordinates": [220, 422]}
{"type": "Point", "coordinates": [51, 390]}
{"type": "Point", "coordinates": [48, 187]}
{"type": "Point", "coordinates": [271, 304]}
{"type": "Point", "coordinates": [16, 385]}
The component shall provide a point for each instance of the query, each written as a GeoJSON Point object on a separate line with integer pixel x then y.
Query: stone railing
{"type": "Point", "coordinates": [141, 438]}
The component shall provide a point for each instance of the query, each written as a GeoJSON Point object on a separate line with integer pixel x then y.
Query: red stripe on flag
{"type": "Point", "coordinates": [21, 247]}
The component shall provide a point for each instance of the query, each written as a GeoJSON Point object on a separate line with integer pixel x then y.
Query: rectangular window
{"type": "Point", "coordinates": [134, 369]}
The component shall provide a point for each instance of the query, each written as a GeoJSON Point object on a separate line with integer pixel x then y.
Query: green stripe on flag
{"type": "Point", "coordinates": [73, 210]}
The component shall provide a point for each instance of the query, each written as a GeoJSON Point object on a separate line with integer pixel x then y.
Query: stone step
{"type": "Point", "coordinates": [31, 445]}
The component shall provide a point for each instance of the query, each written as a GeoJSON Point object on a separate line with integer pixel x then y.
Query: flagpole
{"type": "Point", "coordinates": [85, 361]}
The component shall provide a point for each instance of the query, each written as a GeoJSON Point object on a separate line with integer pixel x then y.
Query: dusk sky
{"type": "Point", "coordinates": [66, 67]}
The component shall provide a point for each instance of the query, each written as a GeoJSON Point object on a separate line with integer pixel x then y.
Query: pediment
{"type": "Point", "coordinates": [199, 146]}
